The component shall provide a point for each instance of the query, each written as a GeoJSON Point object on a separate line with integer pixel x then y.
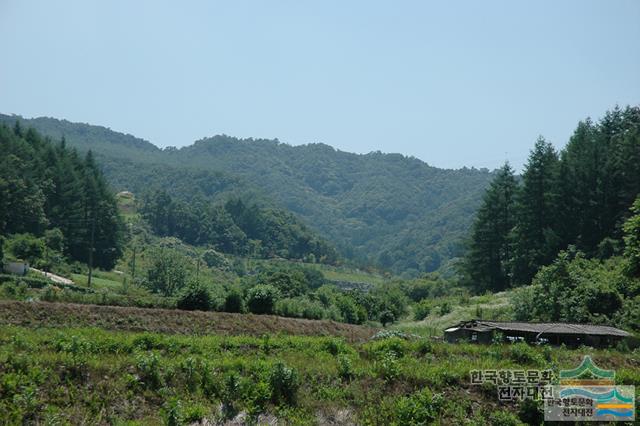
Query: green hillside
{"type": "Point", "coordinates": [393, 211]}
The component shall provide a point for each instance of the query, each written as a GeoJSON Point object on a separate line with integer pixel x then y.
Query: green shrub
{"type": "Point", "coordinates": [167, 273]}
{"type": "Point", "coordinates": [148, 366]}
{"type": "Point", "coordinates": [388, 367]}
{"type": "Point", "coordinates": [421, 408]}
{"type": "Point", "coordinates": [15, 289]}
{"type": "Point", "coordinates": [79, 349]}
{"type": "Point", "coordinates": [195, 296]}
{"type": "Point", "coordinates": [387, 317]}
{"type": "Point", "coordinates": [172, 412]}
{"type": "Point", "coordinates": [419, 290]}
{"type": "Point", "coordinates": [265, 344]}
{"type": "Point", "coordinates": [299, 307]}
{"type": "Point", "coordinates": [522, 353]}
{"type": "Point", "coordinates": [312, 309]}
{"type": "Point", "coordinates": [233, 301]}
{"type": "Point", "coordinates": [193, 413]}
{"type": "Point", "coordinates": [147, 341]}
{"type": "Point", "coordinates": [255, 396]}
{"type": "Point", "coordinates": [261, 299]}
{"type": "Point", "coordinates": [395, 345]}
{"type": "Point", "coordinates": [291, 308]}
{"type": "Point", "coordinates": [334, 346]}
{"type": "Point", "coordinates": [230, 393]}
{"type": "Point", "coordinates": [547, 353]}
{"type": "Point", "coordinates": [421, 310]}
{"type": "Point", "coordinates": [345, 367]}
{"type": "Point", "coordinates": [350, 310]}
{"type": "Point", "coordinates": [290, 283]}
{"type": "Point", "coordinates": [50, 293]}
{"type": "Point", "coordinates": [424, 346]}
{"type": "Point", "coordinates": [284, 384]}
{"type": "Point", "coordinates": [445, 308]}
{"type": "Point", "coordinates": [191, 369]}
{"type": "Point", "coordinates": [504, 418]}
{"type": "Point", "coordinates": [26, 247]}
{"type": "Point", "coordinates": [215, 259]}
{"type": "Point", "coordinates": [465, 299]}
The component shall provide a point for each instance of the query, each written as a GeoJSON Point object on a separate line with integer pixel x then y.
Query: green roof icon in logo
{"type": "Point", "coordinates": [587, 366]}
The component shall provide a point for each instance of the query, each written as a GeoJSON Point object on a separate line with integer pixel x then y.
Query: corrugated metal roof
{"type": "Point", "coordinates": [545, 327]}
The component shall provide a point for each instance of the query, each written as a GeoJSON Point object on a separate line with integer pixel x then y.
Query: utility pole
{"type": "Point", "coordinates": [93, 233]}
{"type": "Point", "coordinates": [133, 265]}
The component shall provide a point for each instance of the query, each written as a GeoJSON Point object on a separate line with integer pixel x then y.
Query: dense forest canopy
{"type": "Point", "coordinates": [388, 210]}
{"type": "Point", "coordinates": [46, 186]}
{"type": "Point", "coordinates": [579, 196]}
{"type": "Point", "coordinates": [236, 228]}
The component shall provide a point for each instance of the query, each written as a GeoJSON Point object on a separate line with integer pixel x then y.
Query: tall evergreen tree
{"type": "Point", "coordinates": [631, 230]}
{"type": "Point", "coordinates": [536, 239]}
{"type": "Point", "coordinates": [489, 257]}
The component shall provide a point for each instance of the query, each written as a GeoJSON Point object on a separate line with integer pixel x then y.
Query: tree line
{"type": "Point", "coordinates": [235, 227]}
{"type": "Point", "coordinates": [47, 189]}
{"type": "Point", "coordinates": [578, 197]}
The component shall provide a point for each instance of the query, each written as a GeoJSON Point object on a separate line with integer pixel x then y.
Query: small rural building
{"type": "Point", "coordinates": [555, 333]}
{"type": "Point", "coordinates": [17, 267]}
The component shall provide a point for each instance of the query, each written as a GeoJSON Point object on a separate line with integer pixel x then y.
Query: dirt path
{"type": "Point", "coordinates": [53, 277]}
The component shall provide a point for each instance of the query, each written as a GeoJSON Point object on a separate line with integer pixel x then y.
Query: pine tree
{"type": "Point", "coordinates": [564, 204]}
{"type": "Point", "coordinates": [536, 239]}
{"type": "Point", "coordinates": [43, 185]}
{"type": "Point", "coordinates": [489, 257]}
{"type": "Point", "coordinates": [632, 241]}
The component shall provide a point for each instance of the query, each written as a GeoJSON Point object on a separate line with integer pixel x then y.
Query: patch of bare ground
{"type": "Point", "coordinates": [45, 314]}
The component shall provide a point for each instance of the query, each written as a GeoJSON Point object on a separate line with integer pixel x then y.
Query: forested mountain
{"type": "Point", "coordinates": [48, 190]}
{"type": "Point", "coordinates": [236, 228]}
{"type": "Point", "coordinates": [386, 209]}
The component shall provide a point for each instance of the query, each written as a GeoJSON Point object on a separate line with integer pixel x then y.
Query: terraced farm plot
{"type": "Point", "coordinates": [44, 314]}
{"type": "Point", "coordinates": [94, 376]}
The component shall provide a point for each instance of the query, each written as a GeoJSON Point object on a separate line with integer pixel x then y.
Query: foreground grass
{"type": "Point", "coordinates": [94, 376]}
{"type": "Point", "coordinates": [99, 280]}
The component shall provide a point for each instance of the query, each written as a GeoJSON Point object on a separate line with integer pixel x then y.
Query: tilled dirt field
{"type": "Point", "coordinates": [44, 314]}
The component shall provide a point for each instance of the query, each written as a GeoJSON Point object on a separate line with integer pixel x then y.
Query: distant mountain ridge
{"type": "Point", "coordinates": [385, 209]}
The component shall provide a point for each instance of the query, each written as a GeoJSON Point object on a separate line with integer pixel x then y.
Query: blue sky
{"type": "Point", "coordinates": [453, 83]}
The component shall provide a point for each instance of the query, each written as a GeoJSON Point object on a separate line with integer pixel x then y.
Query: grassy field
{"type": "Point", "coordinates": [94, 376]}
{"type": "Point", "coordinates": [348, 275]}
{"type": "Point", "coordinates": [332, 273]}
{"type": "Point", "coordinates": [99, 280]}
{"type": "Point", "coordinates": [496, 306]}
